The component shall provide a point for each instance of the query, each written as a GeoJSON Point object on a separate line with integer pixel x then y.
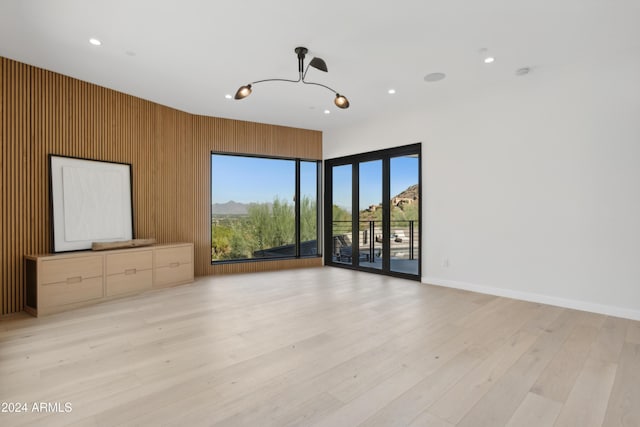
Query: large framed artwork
{"type": "Point", "coordinates": [91, 201]}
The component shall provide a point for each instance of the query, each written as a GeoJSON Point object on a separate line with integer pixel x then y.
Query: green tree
{"type": "Point", "coordinates": [308, 219]}
{"type": "Point", "coordinates": [411, 212]}
{"type": "Point", "coordinates": [341, 220]}
{"type": "Point", "coordinates": [258, 225]}
{"type": "Point", "coordinates": [220, 242]}
{"type": "Point", "coordinates": [282, 224]}
{"type": "Point", "coordinates": [240, 247]}
{"type": "Point", "coordinates": [340, 214]}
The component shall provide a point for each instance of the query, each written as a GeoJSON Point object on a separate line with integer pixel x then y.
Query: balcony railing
{"type": "Point", "coordinates": [404, 240]}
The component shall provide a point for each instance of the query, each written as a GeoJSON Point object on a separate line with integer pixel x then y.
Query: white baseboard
{"type": "Point", "coordinates": [609, 310]}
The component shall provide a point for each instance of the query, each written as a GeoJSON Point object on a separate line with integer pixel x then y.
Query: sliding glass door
{"type": "Point", "coordinates": [372, 212]}
{"type": "Point", "coordinates": [404, 178]}
{"type": "Point", "coordinates": [341, 224]}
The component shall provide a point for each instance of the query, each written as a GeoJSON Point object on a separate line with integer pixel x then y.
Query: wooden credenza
{"type": "Point", "coordinates": [60, 282]}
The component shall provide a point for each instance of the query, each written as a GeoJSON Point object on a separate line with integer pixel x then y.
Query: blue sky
{"type": "Point", "coordinates": [256, 180]}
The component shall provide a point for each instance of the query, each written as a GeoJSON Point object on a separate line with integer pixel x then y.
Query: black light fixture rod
{"type": "Point", "coordinates": [276, 80]}
{"type": "Point", "coordinates": [319, 84]}
{"type": "Point", "coordinates": [301, 51]}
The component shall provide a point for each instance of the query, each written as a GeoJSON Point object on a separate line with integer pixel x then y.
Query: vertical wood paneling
{"type": "Point", "coordinates": [45, 113]}
{"type": "Point", "coordinates": [16, 193]}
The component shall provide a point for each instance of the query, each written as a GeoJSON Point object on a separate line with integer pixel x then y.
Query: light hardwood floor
{"type": "Point", "coordinates": [321, 347]}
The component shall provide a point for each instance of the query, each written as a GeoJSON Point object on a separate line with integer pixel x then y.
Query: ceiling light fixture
{"type": "Point", "coordinates": [489, 59]}
{"type": "Point", "coordinates": [95, 42]}
{"type": "Point", "coordinates": [228, 96]}
{"type": "Point", "coordinates": [391, 91]}
{"type": "Point", "coordinates": [340, 100]}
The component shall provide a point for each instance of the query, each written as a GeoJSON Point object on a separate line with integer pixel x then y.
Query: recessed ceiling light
{"type": "Point", "coordinates": [228, 96]}
{"type": "Point", "coordinates": [95, 42]}
{"type": "Point", "coordinates": [489, 59]}
{"type": "Point", "coordinates": [391, 91]}
{"type": "Point", "coordinates": [434, 77]}
{"type": "Point", "coordinates": [327, 112]}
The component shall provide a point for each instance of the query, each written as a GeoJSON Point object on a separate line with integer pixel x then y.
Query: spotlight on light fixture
{"type": "Point", "coordinates": [243, 92]}
{"type": "Point", "coordinates": [341, 101]}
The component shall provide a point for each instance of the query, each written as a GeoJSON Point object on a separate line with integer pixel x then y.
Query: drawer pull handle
{"type": "Point", "coordinates": [174, 264]}
{"type": "Point", "coordinates": [130, 271]}
{"type": "Point", "coordinates": [72, 280]}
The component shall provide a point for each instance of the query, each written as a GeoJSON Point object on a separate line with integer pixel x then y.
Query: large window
{"type": "Point", "coordinates": [263, 208]}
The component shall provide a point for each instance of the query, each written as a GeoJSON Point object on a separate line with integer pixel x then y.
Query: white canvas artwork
{"type": "Point", "coordinates": [91, 202]}
{"type": "Point", "coordinates": [93, 207]}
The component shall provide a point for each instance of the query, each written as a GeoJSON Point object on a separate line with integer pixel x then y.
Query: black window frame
{"type": "Point", "coordinates": [297, 210]}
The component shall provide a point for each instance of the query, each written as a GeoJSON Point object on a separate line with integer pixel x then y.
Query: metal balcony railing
{"type": "Point", "coordinates": [404, 240]}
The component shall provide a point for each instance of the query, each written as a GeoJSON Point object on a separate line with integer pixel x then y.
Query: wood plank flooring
{"type": "Point", "coordinates": [320, 347]}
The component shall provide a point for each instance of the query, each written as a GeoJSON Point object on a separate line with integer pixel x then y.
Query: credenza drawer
{"type": "Point", "coordinates": [128, 263]}
{"type": "Point", "coordinates": [173, 274]}
{"type": "Point", "coordinates": [66, 270]}
{"type": "Point", "coordinates": [132, 280]}
{"type": "Point", "coordinates": [73, 291]}
{"type": "Point", "coordinates": [172, 257]}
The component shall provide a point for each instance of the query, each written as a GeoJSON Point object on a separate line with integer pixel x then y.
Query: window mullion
{"type": "Point", "coordinates": [297, 209]}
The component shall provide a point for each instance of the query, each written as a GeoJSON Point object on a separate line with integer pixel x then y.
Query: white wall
{"type": "Point", "coordinates": [530, 189]}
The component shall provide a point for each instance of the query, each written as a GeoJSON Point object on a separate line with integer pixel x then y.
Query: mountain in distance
{"type": "Point", "coordinates": [230, 208]}
{"type": "Point", "coordinates": [411, 193]}
{"type": "Point", "coordinates": [409, 196]}
{"type": "Point", "coordinates": [233, 208]}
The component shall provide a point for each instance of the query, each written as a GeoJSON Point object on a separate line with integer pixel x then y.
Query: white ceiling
{"type": "Point", "coordinates": [188, 54]}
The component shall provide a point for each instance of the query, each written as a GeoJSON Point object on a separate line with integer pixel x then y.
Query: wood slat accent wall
{"type": "Point", "coordinates": [42, 112]}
